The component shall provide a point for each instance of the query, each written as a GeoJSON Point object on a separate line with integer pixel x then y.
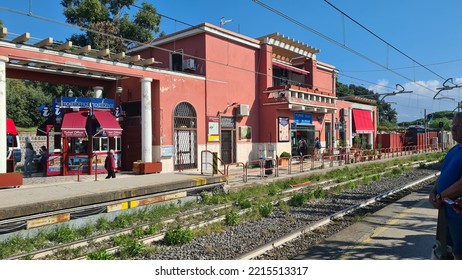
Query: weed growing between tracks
{"type": "Point", "coordinates": [256, 198]}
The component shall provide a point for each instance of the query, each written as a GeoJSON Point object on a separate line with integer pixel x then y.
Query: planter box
{"type": "Point", "coordinates": [8, 180]}
{"type": "Point", "coordinates": [147, 167]}
{"type": "Point", "coordinates": [283, 162]}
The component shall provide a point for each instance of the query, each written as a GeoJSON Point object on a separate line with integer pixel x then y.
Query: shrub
{"type": "Point", "coordinates": [319, 192]}
{"type": "Point", "coordinates": [298, 200]}
{"type": "Point", "coordinates": [103, 224]}
{"type": "Point", "coordinates": [244, 203]}
{"type": "Point", "coordinates": [178, 236]}
{"type": "Point", "coordinates": [100, 255]}
{"type": "Point", "coordinates": [285, 155]}
{"type": "Point", "coordinates": [265, 209]}
{"type": "Point", "coordinates": [282, 204]}
{"type": "Point", "coordinates": [272, 189]}
{"type": "Point", "coordinates": [63, 234]}
{"type": "Point", "coordinates": [206, 197]}
{"type": "Point", "coordinates": [132, 249]}
{"type": "Point", "coordinates": [152, 229]}
{"type": "Point", "coordinates": [232, 218]}
{"type": "Point", "coordinates": [396, 171]}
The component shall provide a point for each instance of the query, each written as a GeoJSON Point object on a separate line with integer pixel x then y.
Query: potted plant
{"type": "Point", "coordinates": [284, 159]}
{"type": "Point", "coordinates": [379, 151]}
{"type": "Point", "coordinates": [371, 154]}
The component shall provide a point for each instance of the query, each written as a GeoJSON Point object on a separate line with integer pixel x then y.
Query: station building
{"type": "Point", "coordinates": [204, 88]}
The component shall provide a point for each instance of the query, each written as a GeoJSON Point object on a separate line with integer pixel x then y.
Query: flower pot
{"type": "Point", "coordinates": [283, 162]}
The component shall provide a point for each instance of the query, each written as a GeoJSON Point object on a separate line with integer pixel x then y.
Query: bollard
{"type": "Point", "coordinates": [215, 162]}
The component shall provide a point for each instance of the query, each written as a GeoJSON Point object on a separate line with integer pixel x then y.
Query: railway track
{"type": "Point", "coordinates": [283, 240]}
{"type": "Point", "coordinates": [156, 239]}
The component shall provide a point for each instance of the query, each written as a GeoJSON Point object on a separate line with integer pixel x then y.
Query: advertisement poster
{"type": "Point", "coordinates": [283, 127]}
{"type": "Point", "coordinates": [245, 133]}
{"type": "Point", "coordinates": [213, 124]}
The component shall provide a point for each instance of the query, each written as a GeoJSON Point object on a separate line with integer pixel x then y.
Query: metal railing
{"type": "Point", "coordinates": [89, 163]}
{"type": "Point", "coordinates": [262, 168]}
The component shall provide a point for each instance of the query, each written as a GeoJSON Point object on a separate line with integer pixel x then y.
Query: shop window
{"type": "Point", "coordinates": [100, 144]}
{"type": "Point", "coordinates": [55, 141]}
{"type": "Point", "coordinates": [118, 143]}
{"type": "Point", "coordinates": [78, 145]}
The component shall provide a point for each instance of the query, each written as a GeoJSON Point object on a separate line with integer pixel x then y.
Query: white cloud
{"type": "Point", "coordinates": [380, 87]}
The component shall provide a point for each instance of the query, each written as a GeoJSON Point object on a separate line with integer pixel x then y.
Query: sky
{"type": "Point", "coordinates": [417, 43]}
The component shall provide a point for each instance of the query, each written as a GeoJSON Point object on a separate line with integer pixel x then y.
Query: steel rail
{"type": "Point", "coordinates": [312, 226]}
{"type": "Point", "coordinates": [104, 204]}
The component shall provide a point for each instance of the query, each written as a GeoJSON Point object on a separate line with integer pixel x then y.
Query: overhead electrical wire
{"type": "Point", "coordinates": [304, 26]}
{"type": "Point", "coordinates": [29, 14]}
{"type": "Point", "coordinates": [404, 67]}
{"type": "Point", "coordinates": [383, 40]}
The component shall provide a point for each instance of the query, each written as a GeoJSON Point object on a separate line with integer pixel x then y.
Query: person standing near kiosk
{"type": "Point", "coordinates": [110, 164]}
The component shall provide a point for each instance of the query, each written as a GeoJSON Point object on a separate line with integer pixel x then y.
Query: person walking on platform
{"type": "Point", "coordinates": [317, 149]}
{"type": "Point", "coordinates": [302, 147]}
{"type": "Point", "coordinates": [29, 160]}
{"type": "Point", "coordinates": [449, 186]}
{"type": "Point", "coordinates": [110, 164]}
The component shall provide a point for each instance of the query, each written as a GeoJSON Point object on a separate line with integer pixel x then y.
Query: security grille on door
{"type": "Point", "coordinates": [185, 136]}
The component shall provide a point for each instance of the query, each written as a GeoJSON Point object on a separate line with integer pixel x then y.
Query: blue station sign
{"type": "Point", "coordinates": [303, 118]}
{"type": "Point", "coordinates": [83, 102]}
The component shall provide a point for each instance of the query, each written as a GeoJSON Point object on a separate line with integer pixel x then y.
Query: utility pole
{"type": "Point", "coordinates": [425, 128]}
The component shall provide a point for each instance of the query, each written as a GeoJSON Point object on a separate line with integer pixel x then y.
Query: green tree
{"type": "Point", "coordinates": [23, 102]}
{"type": "Point", "coordinates": [343, 90]}
{"type": "Point", "coordinates": [387, 115]}
{"type": "Point", "coordinates": [436, 122]}
{"type": "Point", "coordinates": [112, 23]}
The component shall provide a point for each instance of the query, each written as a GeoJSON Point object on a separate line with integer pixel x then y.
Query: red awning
{"type": "Point", "coordinates": [74, 125]}
{"type": "Point", "coordinates": [11, 127]}
{"type": "Point", "coordinates": [362, 121]}
{"type": "Point", "coordinates": [291, 68]}
{"type": "Point", "coordinates": [108, 123]}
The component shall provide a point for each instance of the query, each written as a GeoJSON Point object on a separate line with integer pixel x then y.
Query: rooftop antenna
{"type": "Point", "coordinates": [224, 21]}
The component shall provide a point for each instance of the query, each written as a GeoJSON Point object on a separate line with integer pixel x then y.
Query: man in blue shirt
{"type": "Point", "coordinates": [449, 185]}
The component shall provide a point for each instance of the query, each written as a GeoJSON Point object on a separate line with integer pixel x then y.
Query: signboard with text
{"type": "Point", "coordinates": [213, 125]}
{"type": "Point", "coordinates": [303, 118]}
{"type": "Point", "coordinates": [83, 102]}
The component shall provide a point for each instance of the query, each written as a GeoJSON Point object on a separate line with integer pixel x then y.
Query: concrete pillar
{"type": "Point", "coordinates": [146, 120]}
{"type": "Point", "coordinates": [98, 92]}
{"type": "Point", "coordinates": [3, 60]}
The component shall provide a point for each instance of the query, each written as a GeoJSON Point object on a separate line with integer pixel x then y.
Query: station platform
{"type": "Point", "coordinates": [403, 230]}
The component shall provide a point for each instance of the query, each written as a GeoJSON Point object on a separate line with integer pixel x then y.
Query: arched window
{"type": "Point", "coordinates": [185, 136]}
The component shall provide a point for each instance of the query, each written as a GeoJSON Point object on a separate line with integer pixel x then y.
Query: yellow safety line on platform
{"type": "Point", "coordinates": [382, 229]}
{"type": "Point", "coordinates": [200, 181]}
{"type": "Point", "coordinates": [134, 203]}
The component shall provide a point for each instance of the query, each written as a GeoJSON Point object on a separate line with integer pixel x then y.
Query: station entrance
{"type": "Point", "coordinates": [306, 132]}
